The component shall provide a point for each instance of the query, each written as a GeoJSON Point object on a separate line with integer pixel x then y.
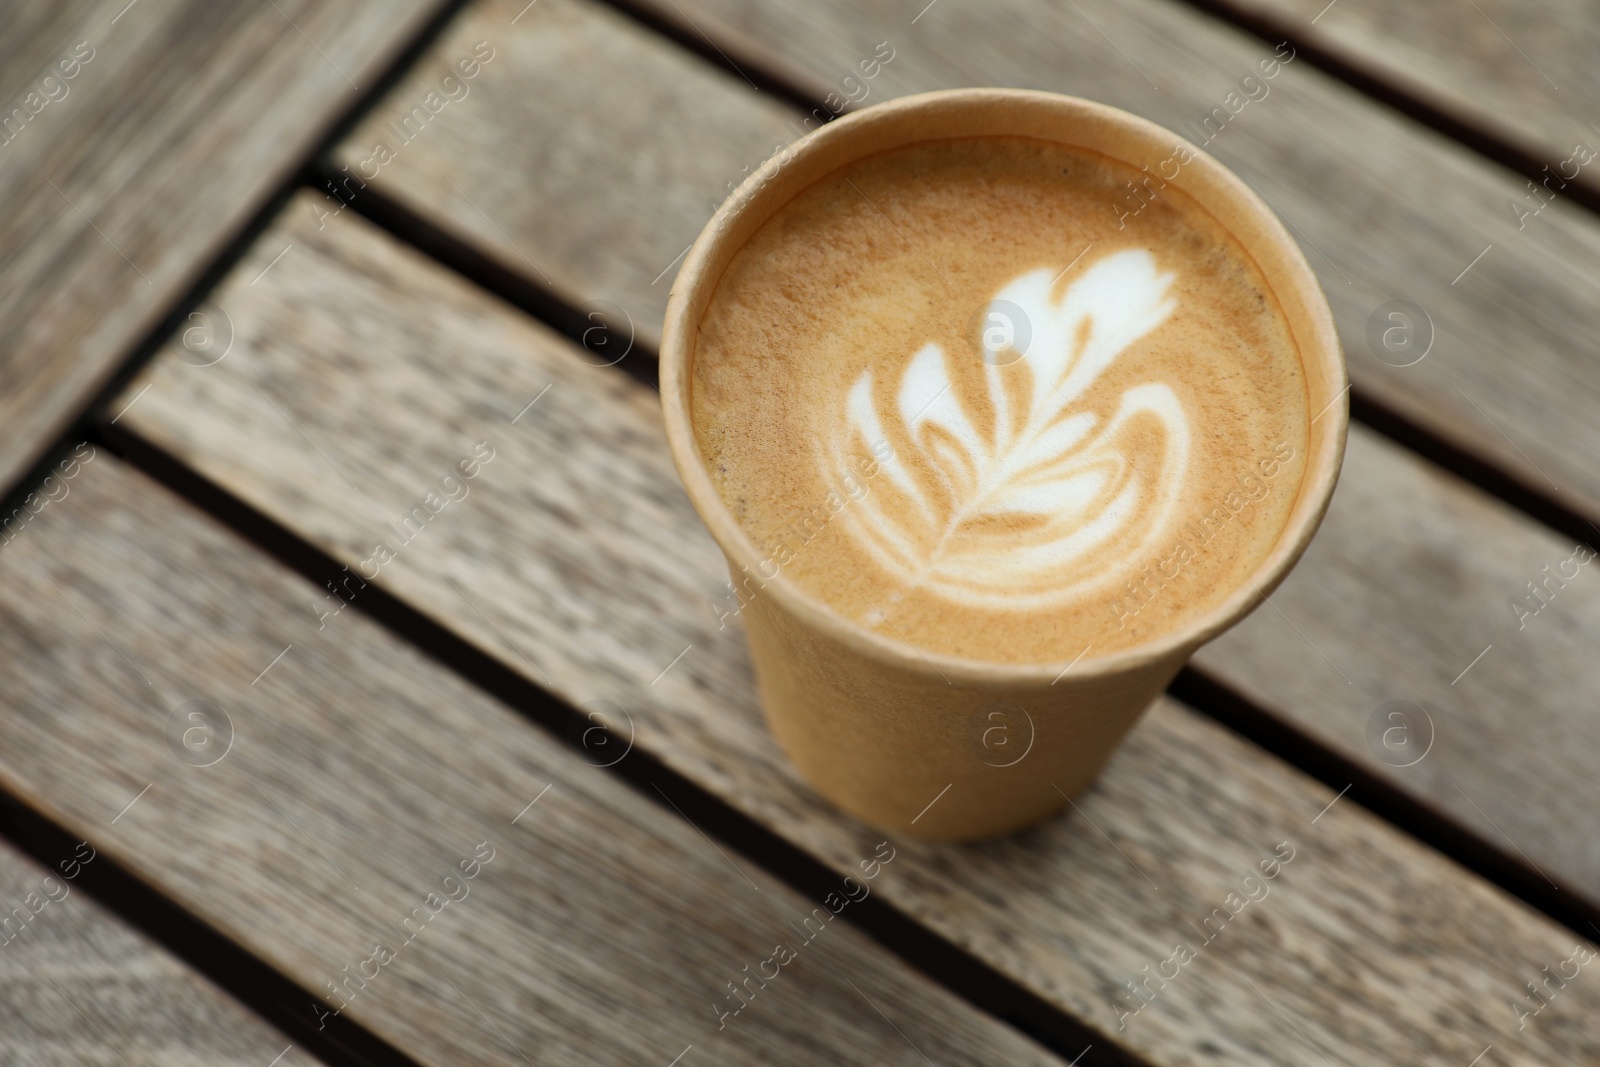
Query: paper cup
{"type": "Point", "coordinates": [935, 746]}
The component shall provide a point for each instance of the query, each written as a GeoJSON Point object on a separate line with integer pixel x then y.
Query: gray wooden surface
{"type": "Point", "coordinates": [79, 988]}
{"type": "Point", "coordinates": [596, 196]}
{"type": "Point", "coordinates": [1524, 72]}
{"type": "Point", "coordinates": [117, 192]}
{"type": "Point", "coordinates": [32, 44]}
{"type": "Point", "coordinates": [360, 796]}
{"type": "Point", "coordinates": [1385, 209]}
{"type": "Point", "coordinates": [1413, 576]}
{"type": "Point", "coordinates": [1403, 605]}
{"type": "Point", "coordinates": [364, 371]}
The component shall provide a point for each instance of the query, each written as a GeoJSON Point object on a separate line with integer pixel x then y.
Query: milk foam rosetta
{"type": "Point", "coordinates": [959, 396]}
{"type": "Point", "coordinates": [1016, 515]}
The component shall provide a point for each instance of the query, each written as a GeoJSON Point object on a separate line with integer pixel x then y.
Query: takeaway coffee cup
{"type": "Point", "coordinates": [899, 722]}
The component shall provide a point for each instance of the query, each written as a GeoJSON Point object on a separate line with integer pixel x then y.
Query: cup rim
{"type": "Point", "coordinates": [694, 285]}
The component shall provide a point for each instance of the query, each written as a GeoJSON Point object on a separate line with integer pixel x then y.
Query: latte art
{"type": "Point", "coordinates": [1026, 476]}
{"type": "Point", "coordinates": [1007, 404]}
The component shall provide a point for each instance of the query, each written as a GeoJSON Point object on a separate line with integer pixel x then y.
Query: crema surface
{"type": "Point", "coordinates": [974, 396]}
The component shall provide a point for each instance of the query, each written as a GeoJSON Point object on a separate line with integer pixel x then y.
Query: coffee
{"type": "Point", "coordinates": [967, 397]}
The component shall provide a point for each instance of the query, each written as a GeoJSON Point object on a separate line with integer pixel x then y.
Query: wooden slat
{"type": "Point", "coordinates": [1394, 596]}
{"type": "Point", "coordinates": [180, 119]}
{"type": "Point", "coordinates": [32, 42]}
{"type": "Point", "coordinates": [1409, 582]}
{"type": "Point", "coordinates": [1523, 72]}
{"type": "Point", "coordinates": [577, 560]}
{"type": "Point", "coordinates": [567, 78]}
{"type": "Point", "coordinates": [362, 781]}
{"type": "Point", "coordinates": [78, 988]}
{"type": "Point", "coordinates": [1385, 209]}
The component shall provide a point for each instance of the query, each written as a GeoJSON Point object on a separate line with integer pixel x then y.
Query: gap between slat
{"type": "Point", "coordinates": [1371, 83]}
{"type": "Point", "coordinates": [248, 979]}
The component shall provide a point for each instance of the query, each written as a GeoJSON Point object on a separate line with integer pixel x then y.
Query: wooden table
{"type": "Point", "coordinates": [286, 781]}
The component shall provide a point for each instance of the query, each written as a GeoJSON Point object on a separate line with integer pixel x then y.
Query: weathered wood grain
{"type": "Point", "coordinates": [531, 905]}
{"type": "Point", "coordinates": [585, 173]}
{"type": "Point", "coordinates": [77, 987]}
{"type": "Point", "coordinates": [1409, 581]}
{"type": "Point", "coordinates": [123, 181]}
{"type": "Point", "coordinates": [577, 560]}
{"type": "Point", "coordinates": [1524, 72]}
{"type": "Point", "coordinates": [32, 42]}
{"type": "Point", "coordinates": [1385, 209]}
